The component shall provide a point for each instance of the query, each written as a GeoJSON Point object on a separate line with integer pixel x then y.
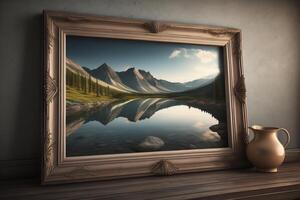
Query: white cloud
{"type": "Point", "coordinates": [206, 56]}
{"type": "Point", "coordinates": [185, 53]}
{"type": "Point", "coordinates": [175, 53]}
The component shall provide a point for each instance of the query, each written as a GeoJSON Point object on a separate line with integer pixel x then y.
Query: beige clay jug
{"type": "Point", "coordinates": [265, 151]}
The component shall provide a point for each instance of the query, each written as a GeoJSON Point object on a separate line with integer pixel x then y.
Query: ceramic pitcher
{"type": "Point", "coordinates": [265, 151]}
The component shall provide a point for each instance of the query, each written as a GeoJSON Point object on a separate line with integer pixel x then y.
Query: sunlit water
{"type": "Point", "coordinates": [173, 128]}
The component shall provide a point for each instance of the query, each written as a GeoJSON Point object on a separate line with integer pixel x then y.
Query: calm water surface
{"type": "Point", "coordinates": [142, 126]}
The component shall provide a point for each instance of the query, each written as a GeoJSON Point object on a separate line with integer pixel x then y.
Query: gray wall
{"type": "Point", "coordinates": [271, 46]}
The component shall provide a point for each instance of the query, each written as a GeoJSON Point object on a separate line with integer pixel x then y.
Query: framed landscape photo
{"type": "Point", "coordinates": [126, 98]}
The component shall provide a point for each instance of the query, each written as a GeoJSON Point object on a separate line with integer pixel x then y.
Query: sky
{"type": "Point", "coordinates": [173, 62]}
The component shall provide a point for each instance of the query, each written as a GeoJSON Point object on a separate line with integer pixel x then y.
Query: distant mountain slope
{"type": "Point", "coordinates": [199, 82]}
{"type": "Point", "coordinates": [171, 86]}
{"type": "Point", "coordinates": [144, 82]}
{"type": "Point", "coordinates": [108, 75]}
{"type": "Point", "coordinates": [134, 80]}
{"type": "Point", "coordinates": [163, 85]}
{"type": "Point", "coordinates": [76, 68]}
{"type": "Point", "coordinates": [214, 89]}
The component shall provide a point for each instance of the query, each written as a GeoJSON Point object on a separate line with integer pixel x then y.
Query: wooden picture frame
{"type": "Point", "coordinates": [58, 168]}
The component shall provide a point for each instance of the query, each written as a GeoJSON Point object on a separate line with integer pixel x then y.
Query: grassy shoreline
{"type": "Point", "coordinates": [76, 96]}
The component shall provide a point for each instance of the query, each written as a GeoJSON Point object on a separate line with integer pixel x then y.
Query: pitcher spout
{"type": "Point", "coordinates": [256, 128]}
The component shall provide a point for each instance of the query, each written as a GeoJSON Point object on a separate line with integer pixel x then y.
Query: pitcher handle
{"type": "Point", "coordinates": [288, 137]}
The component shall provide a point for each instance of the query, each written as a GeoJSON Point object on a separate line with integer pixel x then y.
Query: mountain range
{"type": "Point", "coordinates": [135, 80]}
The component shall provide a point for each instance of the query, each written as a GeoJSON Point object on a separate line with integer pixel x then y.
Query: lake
{"type": "Point", "coordinates": [145, 125]}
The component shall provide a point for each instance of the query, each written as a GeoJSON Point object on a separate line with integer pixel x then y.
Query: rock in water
{"type": "Point", "coordinates": [152, 143]}
{"type": "Point", "coordinates": [221, 129]}
{"type": "Point", "coordinates": [218, 127]}
{"type": "Point", "coordinates": [210, 136]}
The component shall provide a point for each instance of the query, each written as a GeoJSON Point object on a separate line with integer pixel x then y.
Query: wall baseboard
{"type": "Point", "coordinates": [13, 169]}
{"type": "Point", "coordinates": [30, 168]}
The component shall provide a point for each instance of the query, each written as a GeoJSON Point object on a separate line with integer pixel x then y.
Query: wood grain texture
{"type": "Point", "coordinates": [228, 184]}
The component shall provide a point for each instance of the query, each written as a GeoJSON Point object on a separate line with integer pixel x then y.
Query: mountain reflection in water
{"type": "Point", "coordinates": [144, 125]}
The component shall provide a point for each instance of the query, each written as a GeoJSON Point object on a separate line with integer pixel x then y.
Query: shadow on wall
{"type": "Point", "coordinates": [27, 128]}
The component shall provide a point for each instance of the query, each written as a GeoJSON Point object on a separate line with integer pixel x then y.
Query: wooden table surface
{"type": "Point", "coordinates": [228, 184]}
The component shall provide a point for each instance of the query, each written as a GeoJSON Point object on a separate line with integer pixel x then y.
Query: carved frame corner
{"type": "Point", "coordinates": [240, 89]}
{"type": "Point", "coordinates": [164, 168]}
{"type": "Point", "coordinates": [156, 26]}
